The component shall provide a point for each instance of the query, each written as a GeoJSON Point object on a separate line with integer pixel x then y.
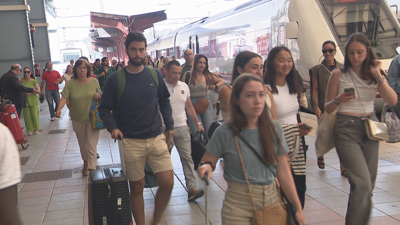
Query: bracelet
{"type": "Point", "coordinates": [208, 162]}
{"type": "Point", "coordinates": [199, 123]}
{"type": "Point", "coordinates": [335, 101]}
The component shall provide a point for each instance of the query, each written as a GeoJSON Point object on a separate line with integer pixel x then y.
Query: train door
{"type": "Point", "coordinates": [194, 44]}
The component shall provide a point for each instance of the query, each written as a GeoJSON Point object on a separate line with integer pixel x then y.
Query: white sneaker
{"type": "Point", "coordinates": [52, 119]}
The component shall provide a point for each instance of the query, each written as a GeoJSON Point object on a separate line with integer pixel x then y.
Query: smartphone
{"type": "Point", "coordinates": [349, 91]}
{"type": "Point", "coordinates": [305, 127]}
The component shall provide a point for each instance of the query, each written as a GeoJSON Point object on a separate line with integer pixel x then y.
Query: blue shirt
{"type": "Point", "coordinates": [222, 144]}
{"type": "Point", "coordinates": [394, 74]}
{"type": "Point", "coordinates": [138, 115]}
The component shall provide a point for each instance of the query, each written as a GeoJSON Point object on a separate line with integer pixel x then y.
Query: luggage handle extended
{"type": "Point", "coordinates": [205, 177]}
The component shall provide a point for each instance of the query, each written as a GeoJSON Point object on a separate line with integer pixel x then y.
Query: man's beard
{"type": "Point", "coordinates": [134, 63]}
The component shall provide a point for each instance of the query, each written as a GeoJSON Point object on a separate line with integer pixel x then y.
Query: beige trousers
{"type": "Point", "coordinates": [87, 139]}
{"type": "Point", "coordinates": [238, 208]}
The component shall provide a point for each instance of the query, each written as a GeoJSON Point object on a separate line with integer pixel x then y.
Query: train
{"type": "Point", "coordinates": [300, 25]}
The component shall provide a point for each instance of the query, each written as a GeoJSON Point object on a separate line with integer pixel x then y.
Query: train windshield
{"type": "Point", "coordinates": [369, 17]}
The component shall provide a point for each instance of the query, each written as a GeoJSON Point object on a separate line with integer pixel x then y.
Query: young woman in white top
{"type": "Point", "coordinates": [69, 73]}
{"type": "Point", "coordinates": [281, 77]}
{"type": "Point", "coordinates": [245, 62]}
{"type": "Point", "coordinates": [358, 154]}
{"type": "Point", "coordinates": [250, 118]}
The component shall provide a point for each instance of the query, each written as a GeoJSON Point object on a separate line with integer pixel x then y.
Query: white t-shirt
{"type": "Point", "coordinates": [10, 169]}
{"type": "Point", "coordinates": [178, 97]}
{"type": "Point", "coordinates": [286, 105]}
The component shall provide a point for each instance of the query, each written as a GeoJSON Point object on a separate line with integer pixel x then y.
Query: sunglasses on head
{"type": "Point", "coordinates": [329, 50]}
{"type": "Point", "coordinates": [27, 71]}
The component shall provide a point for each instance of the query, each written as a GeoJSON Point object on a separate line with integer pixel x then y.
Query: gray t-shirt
{"type": "Point", "coordinates": [222, 144]}
{"type": "Point", "coordinates": [185, 68]}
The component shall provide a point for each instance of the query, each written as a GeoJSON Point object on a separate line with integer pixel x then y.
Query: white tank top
{"type": "Point", "coordinates": [286, 105]}
{"type": "Point", "coordinates": [364, 91]}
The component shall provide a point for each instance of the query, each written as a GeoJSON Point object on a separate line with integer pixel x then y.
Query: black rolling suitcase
{"type": "Point", "coordinates": [109, 202]}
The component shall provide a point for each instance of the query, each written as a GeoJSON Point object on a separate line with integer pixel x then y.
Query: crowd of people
{"type": "Point", "coordinates": [260, 102]}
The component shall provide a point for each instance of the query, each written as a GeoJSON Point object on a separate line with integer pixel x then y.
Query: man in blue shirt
{"type": "Point", "coordinates": [394, 80]}
{"type": "Point", "coordinates": [138, 124]}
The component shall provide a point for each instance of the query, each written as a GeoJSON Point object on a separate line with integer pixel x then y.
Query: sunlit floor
{"type": "Point", "coordinates": [64, 201]}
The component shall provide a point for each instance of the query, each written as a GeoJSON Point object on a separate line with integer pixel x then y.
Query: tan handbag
{"type": "Point", "coordinates": [201, 106]}
{"type": "Point", "coordinates": [270, 215]}
{"type": "Point", "coordinates": [376, 131]}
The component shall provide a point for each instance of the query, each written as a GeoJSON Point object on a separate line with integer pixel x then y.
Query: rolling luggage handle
{"type": "Point", "coordinates": [206, 197]}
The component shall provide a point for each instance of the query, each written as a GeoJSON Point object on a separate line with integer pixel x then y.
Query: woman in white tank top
{"type": "Point", "coordinates": [358, 154]}
{"type": "Point", "coordinates": [281, 76]}
{"type": "Point", "coordinates": [245, 62]}
{"type": "Point", "coordinates": [69, 73]}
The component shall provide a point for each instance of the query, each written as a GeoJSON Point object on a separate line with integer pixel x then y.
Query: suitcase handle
{"type": "Point", "coordinates": [205, 177]}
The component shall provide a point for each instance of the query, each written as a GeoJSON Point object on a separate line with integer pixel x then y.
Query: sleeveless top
{"type": "Point", "coordinates": [364, 91]}
{"type": "Point", "coordinates": [199, 90]}
{"type": "Point", "coordinates": [67, 78]}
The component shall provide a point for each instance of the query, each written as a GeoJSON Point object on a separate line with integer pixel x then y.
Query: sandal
{"type": "Point", "coordinates": [85, 173]}
{"type": "Point", "coordinates": [343, 173]}
{"type": "Point", "coordinates": [321, 163]}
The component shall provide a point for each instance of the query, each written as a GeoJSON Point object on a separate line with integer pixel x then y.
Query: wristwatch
{"type": "Point", "coordinates": [335, 101]}
{"type": "Point", "coordinates": [199, 123]}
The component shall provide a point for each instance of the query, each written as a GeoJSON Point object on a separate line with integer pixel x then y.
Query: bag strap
{"type": "Point", "coordinates": [245, 173]}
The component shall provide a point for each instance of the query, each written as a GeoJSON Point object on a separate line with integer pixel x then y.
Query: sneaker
{"type": "Point", "coordinates": [36, 132]}
{"type": "Point", "coordinates": [52, 119]}
{"type": "Point", "coordinates": [195, 194]}
{"type": "Point", "coordinates": [29, 133]}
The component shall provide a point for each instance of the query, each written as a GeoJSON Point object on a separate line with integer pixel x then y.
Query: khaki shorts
{"type": "Point", "coordinates": [138, 151]}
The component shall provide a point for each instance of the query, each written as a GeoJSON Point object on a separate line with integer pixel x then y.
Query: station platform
{"type": "Point", "coordinates": [53, 191]}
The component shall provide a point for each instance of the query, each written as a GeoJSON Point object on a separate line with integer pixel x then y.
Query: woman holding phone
{"type": "Point", "coordinates": [351, 91]}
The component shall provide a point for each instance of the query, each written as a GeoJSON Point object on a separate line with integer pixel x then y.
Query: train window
{"type": "Point", "coordinates": [213, 49]}
{"type": "Point", "coordinates": [223, 49]}
{"type": "Point", "coordinates": [364, 16]}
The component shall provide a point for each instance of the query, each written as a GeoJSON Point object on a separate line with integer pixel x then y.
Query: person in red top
{"type": "Point", "coordinates": [51, 77]}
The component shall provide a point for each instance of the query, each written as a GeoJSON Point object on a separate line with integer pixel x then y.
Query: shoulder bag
{"type": "Point", "coordinates": [271, 215]}
{"type": "Point", "coordinates": [202, 104]}
{"type": "Point", "coordinates": [325, 140]}
{"type": "Point", "coordinates": [97, 123]}
{"type": "Point", "coordinates": [376, 131]}
{"type": "Point", "coordinates": [393, 125]}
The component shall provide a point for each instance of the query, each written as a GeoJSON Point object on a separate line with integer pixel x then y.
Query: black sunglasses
{"type": "Point", "coordinates": [27, 71]}
{"type": "Point", "coordinates": [329, 50]}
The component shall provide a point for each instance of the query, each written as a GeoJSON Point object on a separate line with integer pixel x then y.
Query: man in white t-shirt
{"type": "Point", "coordinates": [180, 100]}
{"type": "Point", "coordinates": [10, 176]}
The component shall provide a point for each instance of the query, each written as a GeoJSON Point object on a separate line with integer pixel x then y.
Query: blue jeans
{"type": "Point", "coordinates": [50, 96]}
{"type": "Point", "coordinates": [206, 118]}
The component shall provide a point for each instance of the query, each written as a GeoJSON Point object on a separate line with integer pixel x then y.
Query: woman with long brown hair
{"type": "Point", "coordinates": [80, 93]}
{"type": "Point", "coordinates": [251, 120]}
{"type": "Point", "coordinates": [359, 155]}
{"type": "Point", "coordinates": [201, 80]}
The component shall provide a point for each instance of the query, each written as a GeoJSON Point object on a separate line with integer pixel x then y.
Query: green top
{"type": "Point", "coordinates": [80, 97]}
{"type": "Point", "coordinates": [31, 99]}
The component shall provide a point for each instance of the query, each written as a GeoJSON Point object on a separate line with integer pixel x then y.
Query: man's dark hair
{"type": "Point", "coordinates": [135, 36]}
{"type": "Point", "coordinates": [173, 63]}
{"type": "Point", "coordinates": [97, 60]}
{"type": "Point", "coordinates": [47, 64]}
{"type": "Point", "coordinates": [84, 57]}
{"type": "Point", "coordinates": [103, 59]}
{"type": "Point", "coordinates": [14, 67]}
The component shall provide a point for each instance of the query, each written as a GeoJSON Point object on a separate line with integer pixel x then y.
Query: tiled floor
{"type": "Point", "coordinates": [64, 201]}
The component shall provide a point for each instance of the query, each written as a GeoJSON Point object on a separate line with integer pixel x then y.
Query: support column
{"type": "Point", "coordinates": [37, 17]}
{"type": "Point", "coordinates": [15, 37]}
